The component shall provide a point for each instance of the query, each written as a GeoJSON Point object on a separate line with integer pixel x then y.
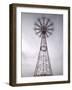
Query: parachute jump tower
{"type": "Point", "coordinates": [43, 27]}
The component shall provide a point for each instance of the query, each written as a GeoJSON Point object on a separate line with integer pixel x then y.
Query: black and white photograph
{"type": "Point", "coordinates": [42, 44]}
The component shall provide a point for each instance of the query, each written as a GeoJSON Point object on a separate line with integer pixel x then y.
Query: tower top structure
{"type": "Point", "coordinates": [43, 26]}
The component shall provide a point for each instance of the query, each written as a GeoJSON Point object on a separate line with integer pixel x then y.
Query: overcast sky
{"type": "Point", "coordinates": [31, 44]}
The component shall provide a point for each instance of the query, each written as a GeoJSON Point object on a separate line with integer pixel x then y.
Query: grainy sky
{"type": "Point", "coordinates": [31, 44]}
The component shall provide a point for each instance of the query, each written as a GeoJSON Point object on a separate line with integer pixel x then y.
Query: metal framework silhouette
{"type": "Point", "coordinates": [43, 28]}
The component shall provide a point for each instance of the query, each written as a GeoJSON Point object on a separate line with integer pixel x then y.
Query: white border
{"type": "Point", "coordinates": [63, 77]}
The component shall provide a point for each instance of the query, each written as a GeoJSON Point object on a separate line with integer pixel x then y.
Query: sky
{"type": "Point", "coordinates": [31, 43]}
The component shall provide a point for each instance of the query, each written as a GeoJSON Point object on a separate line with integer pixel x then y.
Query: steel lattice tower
{"type": "Point", "coordinates": [44, 28]}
